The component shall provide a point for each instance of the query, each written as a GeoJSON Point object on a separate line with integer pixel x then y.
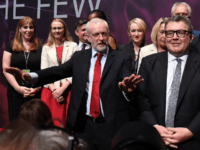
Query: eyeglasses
{"type": "Point", "coordinates": [58, 28]}
{"type": "Point", "coordinates": [179, 33]}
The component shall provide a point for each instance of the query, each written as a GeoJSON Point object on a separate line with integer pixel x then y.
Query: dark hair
{"type": "Point", "coordinates": [99, 13]}
{"type": "Point", "coordinates": [80, 23]}
{"type": "Point", "coordinates": [35, 112]}
{"type": "Point", "coordinates": [180, 18]}
{"type": "Point", "coordinates": [23, 135]}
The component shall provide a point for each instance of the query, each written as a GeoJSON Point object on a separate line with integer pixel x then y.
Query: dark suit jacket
{"type": "Point", "coordinates": [152, 92]}
{"type": "Point", "coordinates": [117, 67]}
{"type": "Point", "coordinates": [195, 45]}
{"type": "Point", "coordinates": [129, 49]}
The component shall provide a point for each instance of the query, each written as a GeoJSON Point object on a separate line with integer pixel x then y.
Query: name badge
{"type": "Point", "coordinates": [26, 70]}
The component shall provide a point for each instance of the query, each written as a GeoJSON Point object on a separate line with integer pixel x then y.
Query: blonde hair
{"type": "Point", "coordinates": [17, 43]}
{"type": "Point", "coordinates": [156, 28]}
{"type": "Point", "coordinates": [141, 24]}
{"type": "Point", "coordinates": [66, 36]}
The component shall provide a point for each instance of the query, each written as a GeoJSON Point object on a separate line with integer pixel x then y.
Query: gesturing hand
{"type": "Point", "coordinates": [130, 83]}
{"type": "Point", "coordinates": [18, 74]}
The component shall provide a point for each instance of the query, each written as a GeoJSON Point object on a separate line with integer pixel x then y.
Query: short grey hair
{"type": "Point", "coordinates": [179, 19]}
{"type": "Point", "coordinates": [95, 20]}
{"type": "Point", "coordinates": [181, 3]}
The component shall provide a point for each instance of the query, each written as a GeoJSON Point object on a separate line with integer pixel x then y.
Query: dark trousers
{"type": "Point", "coordinates": [97, 134]}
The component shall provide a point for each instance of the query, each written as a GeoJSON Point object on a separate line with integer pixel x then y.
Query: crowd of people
{"type": "Point", "coordinates": [98, 95]}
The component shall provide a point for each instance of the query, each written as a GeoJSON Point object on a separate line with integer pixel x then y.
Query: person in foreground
{"type": "Point", "coordinates": [171, 88]}
{"type": "Point", "coordinates": [97, 107]}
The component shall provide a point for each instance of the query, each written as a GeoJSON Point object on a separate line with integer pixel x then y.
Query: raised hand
{"type": "Point", "coordinates": [18, 74]}
{"type": "Point", "coordinates": [130, 83]}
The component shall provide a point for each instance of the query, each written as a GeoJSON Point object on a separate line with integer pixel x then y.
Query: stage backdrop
{"type": "Point", "coordinates": [118, 12]}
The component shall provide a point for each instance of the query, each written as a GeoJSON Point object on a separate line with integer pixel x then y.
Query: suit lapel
{"type": "Point", "coordinates": [188, 74]}
{"type": "Point", "coordinates": [53, 53]}
{"type": "Point", "coordinates": [108, 63]}
{"type": "Point", "coordinates": [65, 51]}
{"type": "Point", "coordinates": [161, 78]}
{"type": "Point", "coordinates": [85, 64]}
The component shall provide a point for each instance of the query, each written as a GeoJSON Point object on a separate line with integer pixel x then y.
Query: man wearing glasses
{"type": "Point", "coordinates": [171, 88]}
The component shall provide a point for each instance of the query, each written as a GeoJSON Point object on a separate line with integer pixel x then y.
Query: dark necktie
{"type": "Point", "coordinates": [173, 98]}
{"type": "Point", "coordinates": [95, 97]}
{"type": "Point", "coordinates": [83, 46]}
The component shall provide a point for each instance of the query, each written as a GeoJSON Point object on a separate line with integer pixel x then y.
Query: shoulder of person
{"type": "Point", "coordinates": [149, 47]}
{"type": "Point", "coordinates": [70, 43]}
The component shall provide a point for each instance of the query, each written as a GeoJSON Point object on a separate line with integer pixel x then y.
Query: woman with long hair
{"type": "Point", "coordinates": [23, 52]}
{"type": "Point", "coordinates": [58, 49]}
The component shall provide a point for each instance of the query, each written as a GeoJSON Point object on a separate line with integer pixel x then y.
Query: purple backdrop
{"type": "Point", "coordinates": [118, 12]}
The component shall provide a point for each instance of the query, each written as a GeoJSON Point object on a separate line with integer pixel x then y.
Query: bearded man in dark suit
{"type": "Point", "coordinates": [96, 73]}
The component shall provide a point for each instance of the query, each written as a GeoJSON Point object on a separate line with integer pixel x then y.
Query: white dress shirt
{"type": "Point", "coordinates": [90, 78]}
{"type": "Point", "coordinates": [80, 45]}
{"type": "Point", "coordinates": [170, 74]}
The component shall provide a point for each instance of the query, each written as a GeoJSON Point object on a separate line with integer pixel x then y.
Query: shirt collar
{"type": "Point", "coordinates": [172, 57]}
{"type": "Point", "coordinates": [80, 44]}
{"type": "Point", "coordinates": [104, 53]}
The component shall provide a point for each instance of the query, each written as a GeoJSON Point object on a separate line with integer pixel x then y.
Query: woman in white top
{"type": "Point", "coordinates": [58, 49]}
{"type": "Point", "coordinates": [158, 39]}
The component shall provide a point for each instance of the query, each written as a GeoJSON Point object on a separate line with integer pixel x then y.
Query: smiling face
{"type": "Point", "coordinates": [27, 31]}
{"type": "Point", "coordinates": [161, 36]}
{"type": "Point", "coordinates": [178, 46]}
{"type": "Point", "coordinates": [98, 36]}
{"type": "Point", "coordinates": [82, 33]}
{"type": "Point", "coordinates": [136, 33]}
{"type": "Point", "coordinates": [57, 30]}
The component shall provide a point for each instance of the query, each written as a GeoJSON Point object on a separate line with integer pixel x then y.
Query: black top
{"type": "Point", "coordinates": [129, 48]}
{"type": "Point", "coordinates": [18, 59]}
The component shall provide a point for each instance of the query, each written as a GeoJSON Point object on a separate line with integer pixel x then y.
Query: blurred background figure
{"type": "Point", "coordinates": [138, 136]}
{"type": "Point", "coordinates": [183, 9]}
{"type": "Point", "coordinates": [58, 49]}
{"type": "Point", "coordinates": [136, 31]}
{"type": "Point", "coordinates": [35, 112]}
{"type": "Point", "coordinates": [80, 31]}
{"type": "Point", "coordinates": [23, 52]}
{"type": "Point", "coordinates": [100, 14]}
{"type": "Point", "coordinates": [158, 39]}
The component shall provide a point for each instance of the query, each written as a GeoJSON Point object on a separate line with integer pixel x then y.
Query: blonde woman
{"type": "Point", "coordinates": [23, 52]}
{"type": "Point", "coordinates": [136, 31]}
{"type": "Point", "coordinates": [158, 39]}
{"type": "Point", "coordinates": [58, 49]}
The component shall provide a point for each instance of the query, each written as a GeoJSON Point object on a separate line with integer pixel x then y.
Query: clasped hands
{"type": "Point", "coordinates": [174, 136]}
{"type": "Point", "coordinates": [129, 84]}
{"type": "Point", "coordinates": [28, 92]}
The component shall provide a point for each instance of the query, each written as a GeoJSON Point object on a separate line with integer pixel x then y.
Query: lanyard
{"type": "Point", "coordinates": [26, 56]}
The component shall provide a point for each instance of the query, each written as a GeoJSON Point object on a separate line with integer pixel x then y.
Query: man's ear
{"type": "Point", "coordinates": [76, 32]}
{"type": "Point", "coordinates": [191, 38]}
